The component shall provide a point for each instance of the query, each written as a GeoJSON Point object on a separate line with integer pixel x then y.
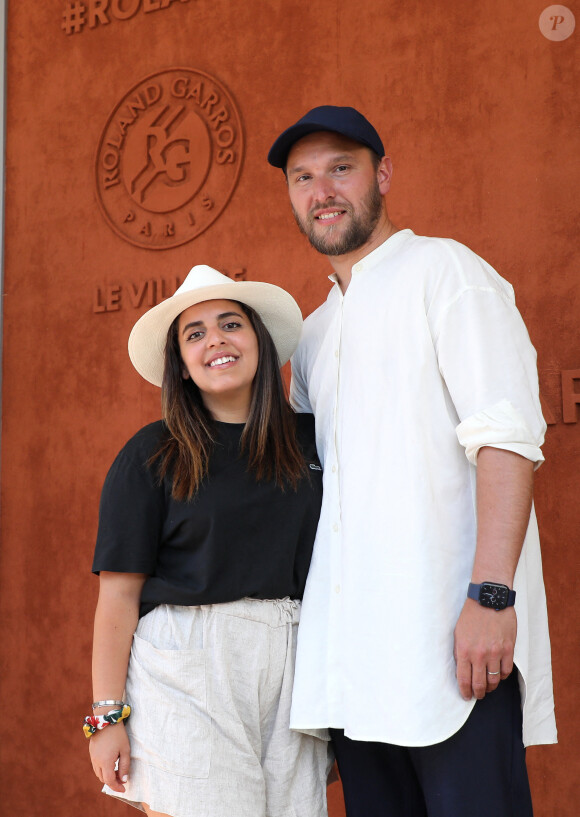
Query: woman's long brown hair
{"type": "Point", "coordinates": [269, 436]}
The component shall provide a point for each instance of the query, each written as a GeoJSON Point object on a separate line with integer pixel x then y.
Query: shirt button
{"type": "Point", "coordinates": [335, 528]}
{"type": "Point", "coordinates": [336, 352]}
{"type": "Point", "coordinates": [334, 469]}
{"type": "Point", "coordinates": [337, 588]}
{"type": "Point", "coordinates": [357, 267]}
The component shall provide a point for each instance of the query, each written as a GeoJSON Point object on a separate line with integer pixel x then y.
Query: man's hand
{"type": "Point", "coordinates": [484, 644]}
{"type": "Point", "coordinates": [485, 638]}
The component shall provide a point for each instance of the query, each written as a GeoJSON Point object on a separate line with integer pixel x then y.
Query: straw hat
{"type": "Point", "coordinates": [276, 307]}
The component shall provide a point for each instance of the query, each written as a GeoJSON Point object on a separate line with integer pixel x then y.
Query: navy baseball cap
{"type": "Point", "coordinates": [346, 121]}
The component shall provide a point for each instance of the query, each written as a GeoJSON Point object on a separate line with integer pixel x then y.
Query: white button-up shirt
{"type": "Point", "coordinates": [424, 360]}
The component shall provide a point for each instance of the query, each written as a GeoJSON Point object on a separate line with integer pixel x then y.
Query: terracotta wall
{"type": "Point", "coordinates": [480, 113]}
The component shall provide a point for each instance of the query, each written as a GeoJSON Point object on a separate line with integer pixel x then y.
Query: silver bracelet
{"type": "Point", "coordinates": [108, 703]}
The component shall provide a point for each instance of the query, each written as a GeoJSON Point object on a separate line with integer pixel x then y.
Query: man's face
{"type": "Point", "coordinates": [334, 192]}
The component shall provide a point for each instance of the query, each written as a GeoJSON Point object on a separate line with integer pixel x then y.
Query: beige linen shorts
{"type": "Point", "coordinates": [210, 689]}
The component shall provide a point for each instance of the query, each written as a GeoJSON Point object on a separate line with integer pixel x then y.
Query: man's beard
{"type": "Point", "coordinates": [357, 233]}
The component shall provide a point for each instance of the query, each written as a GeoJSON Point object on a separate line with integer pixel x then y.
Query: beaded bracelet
{"type": "Point", "coordinates": [92, 723]}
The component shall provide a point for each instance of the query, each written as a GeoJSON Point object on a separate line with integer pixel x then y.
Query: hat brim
{"type": "Point", "coordinates": [278, 153]}
{"type": "Point", "coordinates": [277, 308]}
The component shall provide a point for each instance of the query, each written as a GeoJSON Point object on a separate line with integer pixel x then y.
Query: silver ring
{"type": "Point", "coordinates": [494, 673]}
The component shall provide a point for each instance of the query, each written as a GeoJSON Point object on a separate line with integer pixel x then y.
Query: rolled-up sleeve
{"type": "Point", "coordinates": [501, 426]}
{"type": "Point", "coordinates": [489, 366]}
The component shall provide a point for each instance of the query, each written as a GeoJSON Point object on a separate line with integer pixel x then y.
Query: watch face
{"type": "Point", "coordinates": [493, 595]}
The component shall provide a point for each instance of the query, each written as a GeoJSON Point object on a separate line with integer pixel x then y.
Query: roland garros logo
{"type": "Point", "coordinates": [169, 158]}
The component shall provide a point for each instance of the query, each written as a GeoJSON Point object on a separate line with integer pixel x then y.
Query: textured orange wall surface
{"type": "Point", "coordinates": [479, 112]}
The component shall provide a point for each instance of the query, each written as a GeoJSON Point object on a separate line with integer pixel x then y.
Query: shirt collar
{"type": "Point", "coordinates": [379, 254]}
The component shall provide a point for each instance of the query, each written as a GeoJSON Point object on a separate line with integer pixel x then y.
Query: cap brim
{"type": "Point", "coordinates": [278, 153]}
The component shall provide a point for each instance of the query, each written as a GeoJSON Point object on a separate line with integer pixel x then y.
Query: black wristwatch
{"type": "Point", "coordinates": [490, 594]}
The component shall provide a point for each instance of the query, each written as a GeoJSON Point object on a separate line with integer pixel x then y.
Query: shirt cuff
{"type": "Point", "coordinates": [501, 426]}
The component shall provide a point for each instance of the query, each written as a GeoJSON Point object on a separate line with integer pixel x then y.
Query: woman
{"type": "Point", "coordinates": [206, 527]}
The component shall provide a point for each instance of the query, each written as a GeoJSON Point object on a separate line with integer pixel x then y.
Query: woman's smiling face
{"type": "Point", "coordinates": [219, 351]}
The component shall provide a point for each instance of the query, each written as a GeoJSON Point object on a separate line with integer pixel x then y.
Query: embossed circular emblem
{"type": "Point", "coordinates": [169, 158]}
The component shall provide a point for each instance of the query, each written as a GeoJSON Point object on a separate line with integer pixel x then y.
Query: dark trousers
{"type": "Point", "coordinates": [478, 772]}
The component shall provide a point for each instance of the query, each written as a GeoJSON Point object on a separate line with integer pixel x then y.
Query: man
{"type": "Point", "coordinates": [423, 383]}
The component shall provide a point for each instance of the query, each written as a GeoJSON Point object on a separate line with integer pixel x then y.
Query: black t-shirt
{"type": "Point", "coordinates": [236, 538]}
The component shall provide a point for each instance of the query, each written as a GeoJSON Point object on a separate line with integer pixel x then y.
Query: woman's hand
{"type": "Point", "coordinates": [115, 622]}
{"type": "Point", "coordinates": [106, 747]}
